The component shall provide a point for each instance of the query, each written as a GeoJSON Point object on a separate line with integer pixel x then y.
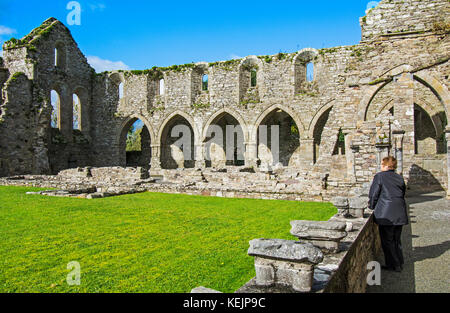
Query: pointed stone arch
{"type": "Point", "coordinates": [254, 129]}
{"type": "Point", "coordinates": [168, 119]}
{"type": "Point", "coordinates": [172, 156]}
{"type": "Point", "coordinates": [287, 151]}
{"type": "Point", "coordinates": [135, 117]}
{"type": "Point", "coordinates": [231, 112]}
{"type": "Point", "coordinates": [439, 90]}
{"type": "Point", "coordinates": [147, 140]}
{"type": "Point", "coordinates": [317, 116]}
{"type": "Point", "coordinates": [217, 149]}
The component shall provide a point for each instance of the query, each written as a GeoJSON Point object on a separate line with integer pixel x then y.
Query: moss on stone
{"type": "Point", "coordinates": [15, 76]}
{"type": "Point", "coordinates": [42, 31]}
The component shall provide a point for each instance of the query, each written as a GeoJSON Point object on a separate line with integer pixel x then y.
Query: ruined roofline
{"type": "Point", "coordinates": [229, 64]}
{"type": "Point", "coordinates": [34, 36]}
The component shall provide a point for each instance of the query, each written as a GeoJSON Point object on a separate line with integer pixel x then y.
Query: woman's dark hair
{"type": "Point", "coordinates": [390, 162]}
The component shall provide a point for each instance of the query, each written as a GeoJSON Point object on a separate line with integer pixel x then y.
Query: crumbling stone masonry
{"type": "Point", "coordinates": [386, 95]}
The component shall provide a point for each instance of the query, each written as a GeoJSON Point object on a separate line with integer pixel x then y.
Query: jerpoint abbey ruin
{"type": "Point", "coordinates": [386, 95]}
{"type": "Point", "coordinates": [311, 125]}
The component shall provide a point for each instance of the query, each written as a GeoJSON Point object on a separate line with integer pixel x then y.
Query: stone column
{"type": "Point", "coordinates": [398, 136]}
{"type": "Point", "coordinates": [156, 158]}
{"type": "Point", "coordinates": [349, 154]}
{"type": "Point", "coordinates": [251, 154]}
{"type": "Point", "coordinates": [200, 162]}
{"type": "Point", "coordinates": [382, 152]}
{"type": "Point", "coordinates": [404, 114]}
{"type": "Point", "coordinates": [307, 151]}
{"type": "Point", "coordinates": [447, 137]}
{"type": "Point", "coordinates": [66, 115]}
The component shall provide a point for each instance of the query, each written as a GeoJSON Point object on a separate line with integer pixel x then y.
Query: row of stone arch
{"type": "Point", "coordinates": [280, 122]}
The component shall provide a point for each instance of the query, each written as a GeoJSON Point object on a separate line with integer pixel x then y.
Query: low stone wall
{"type": "Point", "coordinates": [351, 275]}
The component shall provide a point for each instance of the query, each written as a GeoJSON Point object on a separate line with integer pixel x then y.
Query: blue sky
{"type": "Point", "coordinates": [141, 34]}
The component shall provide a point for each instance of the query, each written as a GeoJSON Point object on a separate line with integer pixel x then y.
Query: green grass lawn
{"type": "Point", "coordinates": [150, 242]}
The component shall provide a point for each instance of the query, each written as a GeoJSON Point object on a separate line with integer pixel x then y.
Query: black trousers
{"type": "Point", "coordinates": [391, 243]}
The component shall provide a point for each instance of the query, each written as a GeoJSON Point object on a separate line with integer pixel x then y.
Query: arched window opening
{"type": "Point", "coordinates": [253, 78]}
{"type": "Point", "coordinates": [56, 103]}
{"type": "Point", "coordinates": [162, 87]}
{"type": "Point", "coordinates": [205, 81]}
{"type": "Point", "coordinates": [310, 72]}
{"type": "Point", "coordinates": [76, 112]}
{"type": "Point", "coordinates": [304, 70]}
{"type": "Point", "coordinates": [56, 57]}
{"type": "Point", "coordinates": [121, 92]}
{"type": "Point", "coordinates": [60, 55]}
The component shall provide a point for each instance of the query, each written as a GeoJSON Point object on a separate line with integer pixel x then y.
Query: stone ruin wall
{"type": "Point", "coordinates": [353, 89]}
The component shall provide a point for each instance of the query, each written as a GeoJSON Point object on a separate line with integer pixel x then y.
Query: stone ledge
{"type": "Point", "coordinates": [286, 250]}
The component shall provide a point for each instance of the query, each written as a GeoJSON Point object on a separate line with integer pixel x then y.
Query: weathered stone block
{"type": "Point", "coordinates": [325, 235]}
{"type": "Point", "coordinates": [284, 262]}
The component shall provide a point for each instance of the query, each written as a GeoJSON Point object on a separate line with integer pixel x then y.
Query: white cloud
{"type": "Point", "coordinates": [97, 6]}
{"type": "Point", "coordinates": [101, 65]}
{"type": "Point", "coordinates": [7, 31]}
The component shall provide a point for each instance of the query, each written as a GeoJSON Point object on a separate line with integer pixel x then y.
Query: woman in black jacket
{"type": "Point", "coordinates": [387, 199]}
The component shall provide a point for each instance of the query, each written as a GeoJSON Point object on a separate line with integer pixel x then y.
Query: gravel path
{"type": "Point", "coordinates": [426, 247]}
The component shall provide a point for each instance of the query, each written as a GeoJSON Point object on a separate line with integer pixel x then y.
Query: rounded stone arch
{"type": "Point", "coordinates": [251, 61]}
{"type": "Point", "coordinates": [116, 80]}
{"type": "Point", "coordinates": [317, 116]}
{"type": "Point", "coordinates": [169, 118]}
{"type": "Point", "coordinates": [60, 55]}
{"type": "Point", "coordinates": [61, 106]}
{"type": "Point", "coordinates": [126, 124]}
{"type": "Point", "coordinates": [83, 110]}
{"type": "Point", "coordinates": [233, 114]}
{"type": "Point", "coordinates": [254, 129]}
{"type": "Point", "coordinates": [305, 55]}
{"type": "Point", "coordinates": [248, 64]}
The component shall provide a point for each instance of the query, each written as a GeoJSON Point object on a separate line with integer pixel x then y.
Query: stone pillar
{"type": "Point", "coordinates": [156, 158]}
{"type": "Point", "coordinates": [382, 152]}
{"type": "Point", "coordinates": [398, 136]}
{"type": "Point", "coordinates": [307, 151]}
{"type": "Point", "coordinates": [341, 203]}
{"type": "Point", "coordinates": [66, 115]}
{"type": "Point", "coordinates": [404, 114]}
{"type": "Point", "coordinates": [349, 154]}
{"type": "Point", "coordinates": [447, 137]}
{"type": "Point", "coordinates": [251, 154]}
{"type": "Point", "coordinates": [200, 162]}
